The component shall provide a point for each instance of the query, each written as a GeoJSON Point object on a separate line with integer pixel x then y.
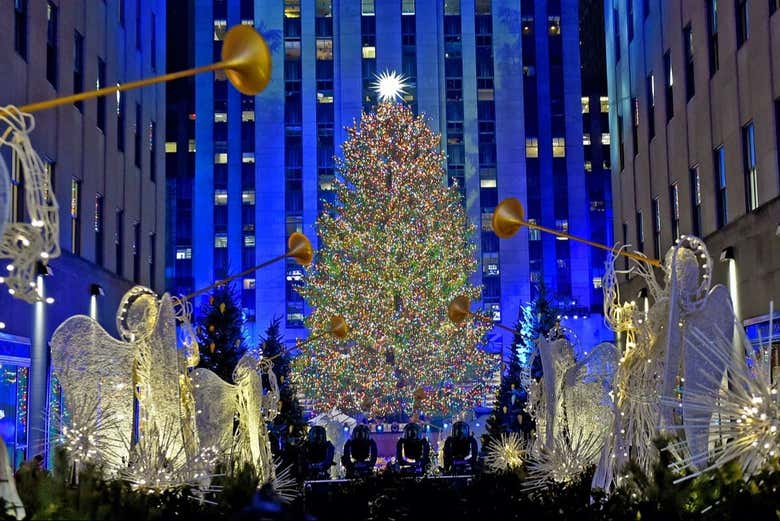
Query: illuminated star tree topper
{"type": "Point", "coordinates": [390, 86]}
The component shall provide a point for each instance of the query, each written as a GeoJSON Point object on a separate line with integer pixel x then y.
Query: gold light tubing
{"type": "Point", "coordinates": [509, 217]}
{"type": "Point", "coordinates": [246, 61]}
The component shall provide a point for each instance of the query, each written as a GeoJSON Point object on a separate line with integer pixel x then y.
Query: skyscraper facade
{"type": "Point", "coordinates": [105, 159]}
{"type": "Point", "coordinates": [695, 113]}
{"type": "Point", "coordinates": [500, 80]}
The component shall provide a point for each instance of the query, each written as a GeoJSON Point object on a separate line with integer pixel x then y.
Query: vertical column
{"type": "Point", "coordinates": [510, 152]}
{"type": "Point", "coordinates": [203, 183]}
{"type": "Point", "coordinates": [37, 429]}
{"type": "Point", "coordinates": [347, 76]}
{"type": "Point", "coordinates": [579, 222]}
{"type": "Point", "coordinates": [430, 67]}
{"type": "Point", "coordinates": [269, 137]}
{"type": "Point", "coordinates": [388, 35]}
{"type": "Point", "coordinates": [471, 145]}
{"type": "Point", "coordinates": [235, 153]}
{"type": "Point", "coordinates": [309, 121]}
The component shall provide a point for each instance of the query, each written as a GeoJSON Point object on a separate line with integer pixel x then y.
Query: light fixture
{"type": "Point", "coordinates": [727, 254]}
{"type": "Point", "coordinates": [96, 290]}
{"type": "Point", "coordinates": [643, 293]}
{"type": "Point", "coordinates": [42, 269]}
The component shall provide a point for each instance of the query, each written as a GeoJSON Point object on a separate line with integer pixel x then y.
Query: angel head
{"type": "Point", "coordinates": [138, 313]}
{"type": "Point", "coordinates": [692, 267]}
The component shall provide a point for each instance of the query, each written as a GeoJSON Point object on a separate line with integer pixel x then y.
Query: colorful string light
{"type": "Point", "coordinates": [394, 250]}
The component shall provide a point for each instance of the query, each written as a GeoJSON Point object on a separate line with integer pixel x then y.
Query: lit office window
{"type": "Point", "coordinates": [531, 147]}
{"type": "Point", "coordinates": [585, 105]}
{"type": "Point", "coordinates": [220, 240]}
{"type": "Point", "coordinates": [605, 139]}
{"type": "Point", "coordinates": [559, 147]}
{"type": "Point", "coordinates": [220, 197]}
{"type": "Point", "coordinates": [604, 103]}
{"type": "Point", "coordinates": [248, 197]}
{"type": "Point", "coordinates": [751, 168]}
{"type": "Point", "coordinates": [183, 253]}
{"type": "Point", "coordinates": [220, 29]}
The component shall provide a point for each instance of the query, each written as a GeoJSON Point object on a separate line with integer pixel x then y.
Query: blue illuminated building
{"type": "Point", "coordinates": [501, 80]}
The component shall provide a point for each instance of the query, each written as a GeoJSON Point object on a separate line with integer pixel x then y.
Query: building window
{"type": "Point", "coordinates": [656, 209]}
{"type": "Point", "coordinates": [640, 231]}
{"type": "Point", "coordinates": [138, 24]}
{"type": "Point", "coordinates": [248, 197]}
{"type": "Point", "coordinates": [585, 104]}
{"type": "Point", "coordinates": [695, 180]}
{"type": "Point", "coordinates": [101, 101]}
{"type": "Point", "coordinates": [690, 82]}
{"type": "Point", "coordinates": [152, 260]}
{"type": "Point", "coordinates": [220, 197]}
{"type": "Point", "coordinates": [586, 139]}
{"type": "Point", "coordinates": [674, 208]}
{"type": "Point", "coordinates": [668, 85]}
{"type": "Point", "coordinates": [153, 151]}
{"type": "Point", "coordinates": [621, 143]}
{"type": "Point", "coordinates": [751, 168]}
{"type": "Point", "coordinates": [51, 44]}
{"type": "Point", "coordinates": [650, 87]}
{"type": "Point", "coordinates": [119, 242]}
{"type": "Point", "coordinates": [17, 190]}
{"type": "Point", "coordinates": [137, 252]}
{"type": "Point", "coordinates": [531, 147]}
{"type": "Point", "coordinates": [183, 253]}
{"type": "Point", "coordinates": [120, 121]}
{"type": "Point", "coordinates": [630, 19]}
{"type": "Point", "coordinates": [75, 216]}
{"type": "Point", "coordinates": [625, 241]}
{"type": "Point", "coordinates": [554, 25]}
{"type": "Point", "coordinates": [588, 166]}
{"type": "Point", "coordinates": [78, 66]}
{"type": "Point", "coordinates": [559, 147]}
{"type": "Point", "coordinates": [137, 137]}
{"type": "Point", "coordinates": [773, 6]}
{"type": "Point", "coordinates": [635, 124]}
{"type": "Point", "coordinates": [99, 229]}
{"type": "Point", "coordinates": [743, 21]}
{"type": "Point", "coordinates": [153, 50]}
{"type": "Point", "coordinates": [777, 129]}
{"type": "Point", "coordinates": [712, 33]}
{"type": "Point", "coordinates": [721, 196]}
{"type": "Point", "coordinates": [616, 33]}
{"type": "Point", "coordinates": [20, 27]}
{"type": "Point", "coordinates": [605, 138]}
{"type": "Point", "coordinates": [249, 241]}
{"type": "Point", "coordinates": [220, 240]}
{"type": "Point", "coordinates": [120, 7]}
{"type": "Point", "coordinates": [604, 104]}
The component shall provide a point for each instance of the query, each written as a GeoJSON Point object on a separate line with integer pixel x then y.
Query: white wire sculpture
{"type": "Point", "coordinates": [505, 453]}
{"type": "Point", "coordinates": [101, 376]}
{"type": "Point", "coordinates": [654, 362]}
{"type": "Point", "coordinates": [573, 409]}
{"type": "Point", "coordinates": [26, 243]}
{"type": "Point", "coordinates": [220, 403]}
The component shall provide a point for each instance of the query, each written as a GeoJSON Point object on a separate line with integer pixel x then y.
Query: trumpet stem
{"type": "Point", "coordinates": [105, 91]}
{"type": "Point", "coordinates": [640, 258]}
{"type": "Point", "coordinates": [234, 277]}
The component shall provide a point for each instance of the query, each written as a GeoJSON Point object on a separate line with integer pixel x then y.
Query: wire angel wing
{"type": "Point", "coordinates": [216, 405]}
{"type": "Point", "coordinates": [97, 369]}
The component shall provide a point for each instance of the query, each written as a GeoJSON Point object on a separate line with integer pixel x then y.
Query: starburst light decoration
{"type": "Point", "coordinates": [390, 86]}
{"type": "Point", "coordinates": [505, 453]}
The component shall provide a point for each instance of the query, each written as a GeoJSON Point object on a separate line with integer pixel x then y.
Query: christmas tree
{"type": "Point", "coordinates": [289, 423]}
{"type": "Point", "coordinates": [508, 415]}
{"type": "Point", "coordinates": [220, 332]}
{"type": "Point", "coordinates": [394, 250]}
{"type": "Point", "coordinates": [538, 318]}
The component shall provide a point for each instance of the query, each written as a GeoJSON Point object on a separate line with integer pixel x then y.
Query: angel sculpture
{"type": "Point", "coordinates": [232, 417]}
{"type": "Point", "coordinates": [101, 375]}
{"type": "Point", "coordinates": [654, 361]}
{"type": "Point", "coordinates": [26, 243]}
{"type": "Point", "coordinates": [573, 410]}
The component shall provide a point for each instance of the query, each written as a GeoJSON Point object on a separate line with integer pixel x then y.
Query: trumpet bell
{"type": "Point", "coordinates": [247, 60]}
{"type": "Point", "coordinates": [338, 326]}
{"type": "Point", "coordinates": [299, 248]}
{"type": "Point", "coordinates": [508, 218]}
{"type": "Point", "coordinates": [458, 309]}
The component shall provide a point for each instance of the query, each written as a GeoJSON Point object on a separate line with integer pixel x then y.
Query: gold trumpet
{"type": "Point", "coordinates": [509, 217]}
{"type": "Point", "coordinates": [460, 309]}
{"type": "Point", "coordinates": [298, 248]}
{"type": "Point", "coordinates": [246, 61]}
